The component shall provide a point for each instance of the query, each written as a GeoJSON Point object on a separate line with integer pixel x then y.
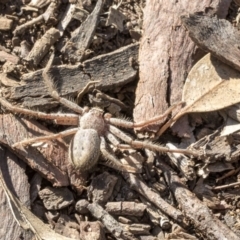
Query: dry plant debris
{"type": "Point", "coordinates": [96, 49]}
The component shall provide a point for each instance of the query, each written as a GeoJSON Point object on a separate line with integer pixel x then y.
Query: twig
{"type": "Point", "coordinates": [43, 17]}
{"type": "Point", "coordinates": [109, 222]}
{"type": "Point", "coordinates": [224, 186]}
{"type": "Point", "coordinates": [228, 174]}
{"type": "Point", "coordinates": [153, 197]}
{"type": "Point", "coordinates": [194, 209]}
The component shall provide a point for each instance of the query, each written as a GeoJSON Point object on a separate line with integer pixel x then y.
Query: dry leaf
{"type": "Point", "coordinates": [211, 85]}
{"type": "Point", "coordinates": [231, 126]}
{"type": "Point", "coordinates": [27, 219]}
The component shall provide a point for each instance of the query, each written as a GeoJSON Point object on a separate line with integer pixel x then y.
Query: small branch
{"type": "Point", "coordinates": [109, 222]}
{"type": "Point", "coordinates": [196, 210]}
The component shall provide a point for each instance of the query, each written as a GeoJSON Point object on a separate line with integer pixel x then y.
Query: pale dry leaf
{"type": "Point", "coordinates": [231, 126]}
{"type": "Point", "coordinates": [26, 219]}
{"type": "Point", "coordinates": [211, 85]}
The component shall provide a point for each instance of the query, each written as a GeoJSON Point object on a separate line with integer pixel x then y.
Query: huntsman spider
{"type": "Point", "coordinates": [95, 129]}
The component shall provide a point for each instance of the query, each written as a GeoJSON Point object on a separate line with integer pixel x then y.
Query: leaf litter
{"type": "Point", "coordinates": [210, 86]}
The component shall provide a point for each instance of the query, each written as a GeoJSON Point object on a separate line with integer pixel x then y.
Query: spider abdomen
{"type": "Point", "coordinates": [84, 149]}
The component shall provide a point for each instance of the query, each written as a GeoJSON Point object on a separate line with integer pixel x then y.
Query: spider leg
{"type": "Point", "coordinates": [144, 144]}
{"type": "Point", "coordinates": [116, 143]}
{"type": "Point", "coordinates": [46, 137]}
{"type": "Point", "coordinates": [64, 119]}
{"type": "Point", "coordinates": [113, 161]}
{"type": "Point", "coordinates": [47, 76]}
{"type": "Point", "coordinates": [128, 124]}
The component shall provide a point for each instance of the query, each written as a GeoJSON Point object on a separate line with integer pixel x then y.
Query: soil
{"type": "Point", "coordinates": [155, 193]}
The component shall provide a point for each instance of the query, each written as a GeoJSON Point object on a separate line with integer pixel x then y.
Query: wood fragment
{"type": "Point", "coordinates": [139, 229]}
{"type": "Point", "coordinates": [82, 36]}
{"type": "Point", "coordinates": [43, 17]}
{"type": "Point", "coordinates": [67, 227]}
{"type": "Point", "coordinates": [194, 209]}
{"type": "Point", "coordinates": [125, 208]}
{"type": "Point", "coordinates": [217, 147]}
{"type": "Point", "coordinates": [101, 187]}
{"type": "Point", "coordinates": [56, 198]}
{"type": "Point", "coordinates": [109, 222]}
{"type": "Point", "coordinates": [92, 230]}
{"type": "Point", "coordinates": [183, 163]}
{"type": "Point", "coordinates": [216, 36]}
{"type": "Point", "coordinates": [5, 24]}
{"type": "Point", "coordinates": [4, 56]}
{"type": "Point", "coordinates": [157, 217]}
{"type": "Point", "coordinates": [26, 219]}
{"type": "Point", "coordinates": [112, 70]}
{"type": "Point", "coordinates": [153, 197]}
{"type": "Point", "coordinates": [21, 129]}
{"type": "Point", "coordinates": [13, 171]}
{"type": "Point", "coordinates": [66, 18]}
{"type": "Point", "coordinates": [42, 46]}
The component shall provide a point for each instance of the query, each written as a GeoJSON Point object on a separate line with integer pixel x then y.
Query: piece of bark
{"type": "Point", "coordinates": [67, 227]}
{"type": "Point", "coordinates": [217, 148]}
{"type": "Point", "coordinates": [167, 54]}
{"type": "Point", "coordinates": [138, 228]}
{"type": "Point", "coordinates": [183, 163]}
{"type": "Point", "coordinates": [83, 35]}
{"type": "Point", "coordinates": [13, 171]}
{"type": "Point", "coordinates": [91, 230]}
{"type": "Point", "coordinates": [66, 18]}
{"type": "Point", "coordinates": [4, 56]}
{"type": "Point", "coordinates": [5, 24]}
{"type": "Point", "coordinates": [125, 208]}
{"type": "Point", "coordinates": [56, 198]}
{"type": "Point", "coordinates": [15, 129]}
{"type": "Point", "coordinates": [194, 209]}
{"type": "Point", "coordinates": [43, 17]}
{"type": "Point", "coordinates": [35, 186]}
{"type": "Point", "coordinates": [217, 36]}
{"type": "Point", "coordinates": [109, 222]}
{"type": "Point", "coordinates": [112, 70]}
{"type": "Point", "coordinates": [101, 187]}
{"type": "Point", "coordinates": [156, 216]}
{"type": "Point", "coordinates": [42, 46]}
{"type": "Point", "coordinates": [153, 197]}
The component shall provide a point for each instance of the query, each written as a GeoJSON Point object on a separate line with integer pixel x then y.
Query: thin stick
{"type": "Point", "coordinates": [225, 186]}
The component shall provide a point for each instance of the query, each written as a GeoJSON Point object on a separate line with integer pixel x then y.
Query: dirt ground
{"type": "Point", "coordinates": [90, 80]}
